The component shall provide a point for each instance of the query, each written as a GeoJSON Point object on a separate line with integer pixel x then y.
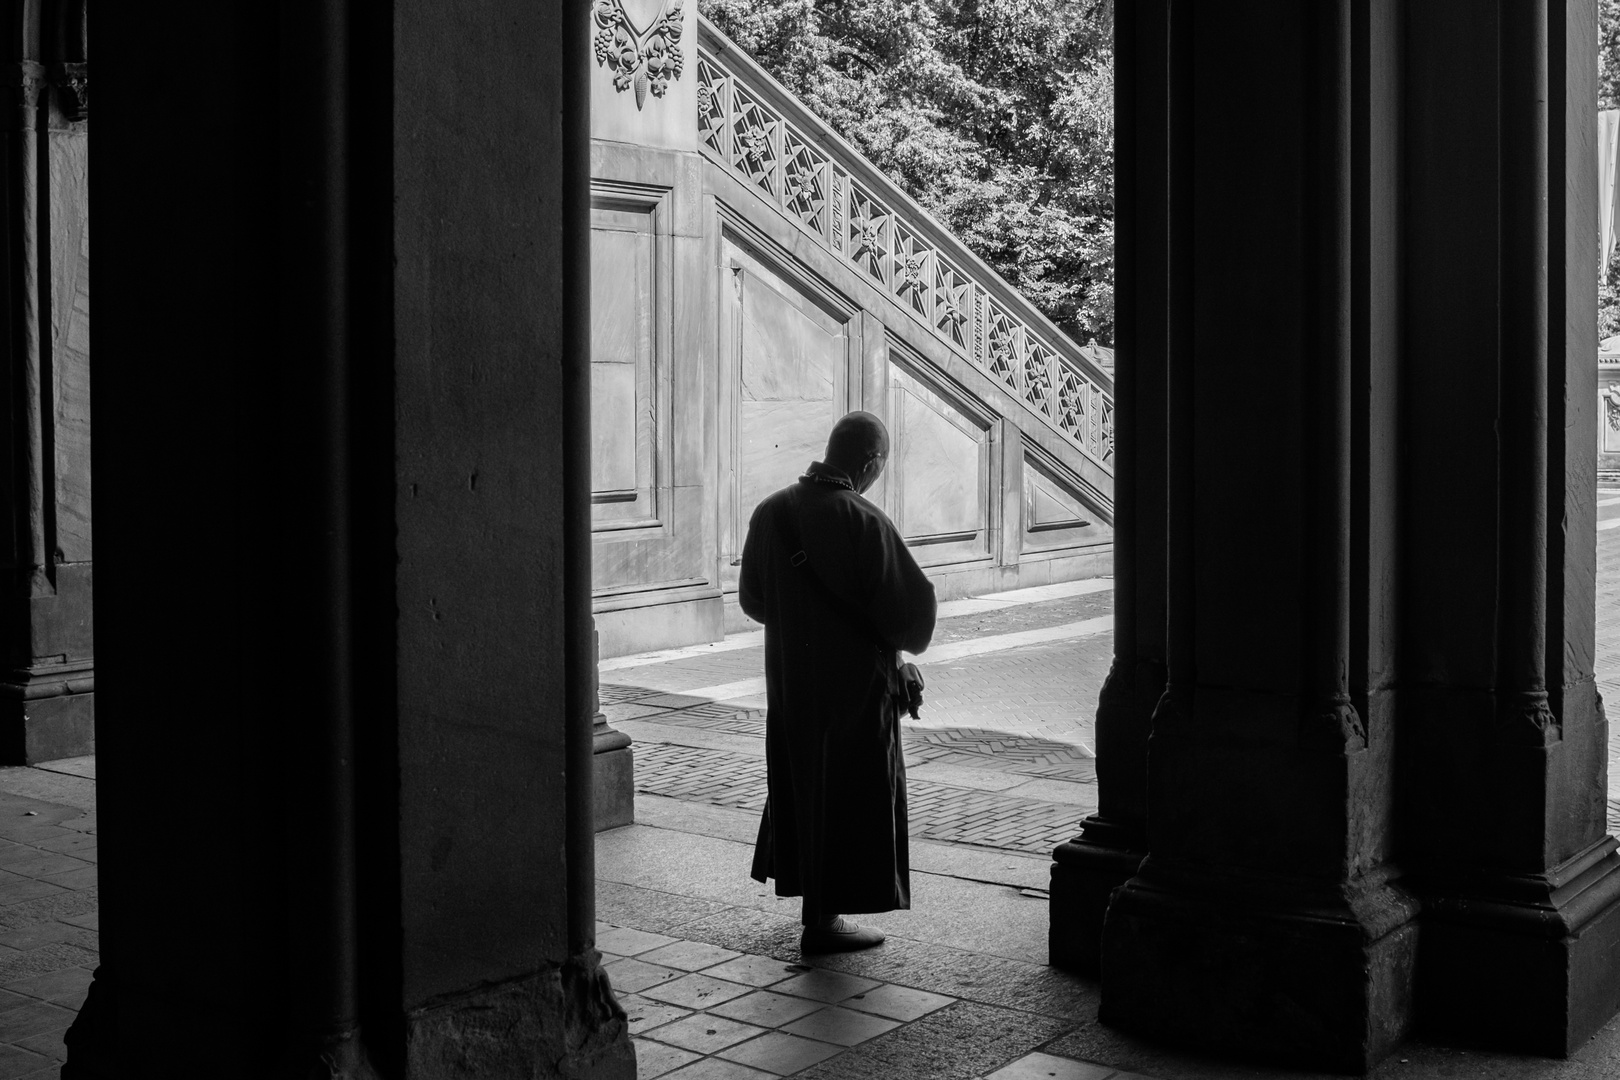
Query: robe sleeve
{"type": "Point", "coordinates": [898, 598]}
{"type": "Point", "coordinates": [751, 580]}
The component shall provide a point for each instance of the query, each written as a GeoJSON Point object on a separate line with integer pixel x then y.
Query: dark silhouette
{"type": "Point", "coordinates": [828, 574]}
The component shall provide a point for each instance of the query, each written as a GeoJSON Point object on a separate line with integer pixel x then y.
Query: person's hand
{"type": "Point", "coordinates": [912, 680]}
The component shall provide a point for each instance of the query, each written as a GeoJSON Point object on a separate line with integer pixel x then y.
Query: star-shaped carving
{"type": "Point", "coordinates": [868, 231]}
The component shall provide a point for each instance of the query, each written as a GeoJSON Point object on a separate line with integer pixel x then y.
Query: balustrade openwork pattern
{"type": "Point", "coordinates": [805, 179]}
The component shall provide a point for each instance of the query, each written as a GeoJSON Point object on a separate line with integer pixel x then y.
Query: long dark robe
{"type": "Point", "coordinates": [834, 829]}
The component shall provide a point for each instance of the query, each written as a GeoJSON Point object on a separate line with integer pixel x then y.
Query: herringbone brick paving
{"type": "Point", "coordinates": [937, 811]}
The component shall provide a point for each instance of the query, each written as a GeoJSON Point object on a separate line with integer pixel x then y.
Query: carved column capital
{"type": "Point", "coordinates": [1333, 724]}
{"type": "Point", "coordinates": [72, 82]}
{"type": "Point", "coordinates": [20, 84]}
{"type": "Point", "coordinates": [1525, 718]}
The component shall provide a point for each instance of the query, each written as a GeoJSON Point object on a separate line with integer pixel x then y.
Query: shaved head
{"type": "Point", "coordinates": [859, 444]}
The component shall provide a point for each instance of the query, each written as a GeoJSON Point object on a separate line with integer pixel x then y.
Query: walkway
{"type": "Point", "coordinates": [706, 961]}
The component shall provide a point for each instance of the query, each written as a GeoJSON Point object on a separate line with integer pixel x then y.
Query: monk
{"type": "Point", "coordinates": [840, 596]}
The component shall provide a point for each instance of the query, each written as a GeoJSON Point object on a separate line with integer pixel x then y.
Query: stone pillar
{"type": "Point", "coordinates": [1113, 841]}
{"type": "Point", "coordinates": [1503, 742]}
{"type": "Point", "coordinates": [1266, 919]}
{"type": "Point", "coordinates": [47, 690]}
{"type": "Point", "coordinates": [346, 742]}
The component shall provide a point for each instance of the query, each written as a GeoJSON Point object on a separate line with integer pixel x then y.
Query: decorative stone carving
{"type": "Point", "coordinates": [1038, 378]}
{"type": "Point", "coordinates": [1611, 406]}
{"type": "Point", "coordinates": [73, 89]}
{"type": "Point", "coordinates": [640, 42]}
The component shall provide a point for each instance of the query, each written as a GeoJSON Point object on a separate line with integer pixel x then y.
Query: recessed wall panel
{"type": "Point", "coordinates": [624, 383]}
{"type": "Point", "coordinates": [791, 365]}
{"type": "Point", "coordinates": [1055, 516]}
{"type": "Point", "coordinates": [940, 470]}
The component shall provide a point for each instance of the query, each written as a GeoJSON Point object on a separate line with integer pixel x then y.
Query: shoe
{"type": "Point", "coordinates": [841, 935]}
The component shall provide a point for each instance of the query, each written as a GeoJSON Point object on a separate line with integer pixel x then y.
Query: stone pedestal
{"type": "Point", "coordinates": [614, 783]}
{"type": "Point", "coordinates": [1524, 964]}
{"type": "Point", "coordinates": [613, 771]}
{"type": "Point", "coordinates": [1270, 970]}
{"type": "Point", "coordinates": [48, 713]}
{"type": "Point", "coordinates": [1086, 872]}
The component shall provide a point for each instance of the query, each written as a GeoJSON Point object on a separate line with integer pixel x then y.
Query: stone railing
{"type": "Point", "coordinates": [750, 124]}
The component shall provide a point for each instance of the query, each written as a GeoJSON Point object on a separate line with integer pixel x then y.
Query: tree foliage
{"type": "Point", "coordinates": [1609, 98]}
{"type": "Point", "coordinates": [995, 115]}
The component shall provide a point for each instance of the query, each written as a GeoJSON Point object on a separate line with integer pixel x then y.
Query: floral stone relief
{"type": "Point", "coordinates": [640, 42]}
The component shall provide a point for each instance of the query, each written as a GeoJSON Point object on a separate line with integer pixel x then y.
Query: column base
{"type": "Point", "coordinates": [1268, 970]}
{"type": "Point", "coordinates": [559, 1023]}
{"type": "Point", "coordinates": [613, 779]}
{"type": "Point", "coordinates": [45, 720]}
{"type": "Point", "coordinates": [1524, 964]}
{"type": "Point", "coordinates": [1085, 873]}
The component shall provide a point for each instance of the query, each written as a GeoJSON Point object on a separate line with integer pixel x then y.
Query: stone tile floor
{"type": "Point", "coordinates": [703, 1012]}
{"type": "Point", "coordinates": [48, 910]}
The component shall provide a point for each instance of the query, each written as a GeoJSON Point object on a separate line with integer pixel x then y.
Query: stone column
{"type": "Point", "coordinates": [1113, 841]}
{"type": "Point", "coordinates": [47, 690]}
{"type": "Point", "coordinates": [345, 617]}
{"type": "Point", "coordinates": [1266, 920]}
{"type": "Point", "coordinates": [1504, 740]}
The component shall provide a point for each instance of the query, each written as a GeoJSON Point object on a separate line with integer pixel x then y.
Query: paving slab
{"type": "Point", "coordinates": [826, 986]}
{"type": "Point", "coordinates": [623, 941]}
{"type": "Point", "coordinates": [780, 1053]}
{"type": "Point", "coordinates": [767, 1008]}
{"type": "Point", "coordinates": [897, 1002]}
{"type": "Point", "coordinates": [705, 1033]}
{"type": "Point", "coordinates": [755, 970]}
{"type": "Point", "coordinates": [840, 1026]}
{"type": "Point", "coordinates": [17, 1062]}
{"type": "Point", "coordinates": [74, 766]}
{"type": "Point", "coordinates": [644, 1013]}
{"type": "Point", "coordinates": [1040, 1066]}
{"type": "Point", "coordinates": [645, 909]}
{"type": "Point", "coordinates": [61, 789]}
{"type": "Point", "coordinates": [654, 1059]}
{"type": "Point", "coordinates": [628, 975]}
{"type": "Point", "coordinates": [689, 955]}
{"type": "Point", "coordinates": [961, 1042]}
{"type": "Point", "coordinates": [715, 1068]}
{"type": "Point", "coordinates": [694, 991]}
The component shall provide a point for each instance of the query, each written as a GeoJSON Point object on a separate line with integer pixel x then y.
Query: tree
{"type": "Point", "coordinates": [995, 115]}
{"type": "Point", "coordinates": [1609, 98]}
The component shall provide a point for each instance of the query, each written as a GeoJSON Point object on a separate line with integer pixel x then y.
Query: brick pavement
{"type": "Point", "coordinates": [938, 811]}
